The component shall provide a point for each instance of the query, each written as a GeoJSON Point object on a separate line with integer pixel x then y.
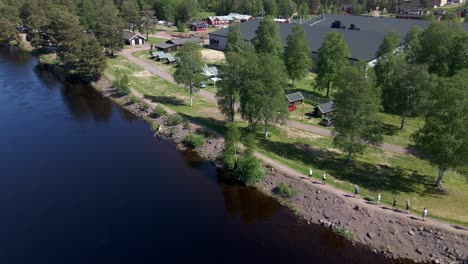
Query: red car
{"type": "Point", "coordinates": [292, 108]}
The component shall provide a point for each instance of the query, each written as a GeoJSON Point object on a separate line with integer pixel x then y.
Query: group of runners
{"type": "Point", "coordinates": [356, 193]}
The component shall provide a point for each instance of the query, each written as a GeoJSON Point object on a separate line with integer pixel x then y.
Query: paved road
{"type": "Point", "coordinates": [127, 53]}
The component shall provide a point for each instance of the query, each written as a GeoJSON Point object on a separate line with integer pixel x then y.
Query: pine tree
{"type": "Point", "coordinates": [109, 29]}
{"type": "Point", "coordinates": [235, 43]}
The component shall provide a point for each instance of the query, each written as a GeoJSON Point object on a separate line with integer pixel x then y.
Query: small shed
{"type": "Point", "coordinates": [198, 26]}
{"type": "Point", "coordinates": [131, 38]}
{"type": "Point", "coordinates": [324, 109]}
{"type": "Point", "coordinates": [295, 98]}
{"type": "Point", "coordinates": [165, 47]}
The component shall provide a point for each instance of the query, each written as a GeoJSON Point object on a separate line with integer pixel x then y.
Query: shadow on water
{"type": "Point", "coordinates": [122, 196]}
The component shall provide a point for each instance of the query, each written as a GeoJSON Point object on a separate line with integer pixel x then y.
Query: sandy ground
{"type": "Point", "coordinates": [211, 56]}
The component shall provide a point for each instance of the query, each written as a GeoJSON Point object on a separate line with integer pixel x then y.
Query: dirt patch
{"type": "Point", "coordinates": [143, 74]}
{"type": "Point", "coordinates": [211, 56]}
{"type": "Point", "coordinates": [394, 234]}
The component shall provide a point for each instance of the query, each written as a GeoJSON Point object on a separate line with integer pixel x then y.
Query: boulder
{"type": "Point", "coordinates": [411, 233]}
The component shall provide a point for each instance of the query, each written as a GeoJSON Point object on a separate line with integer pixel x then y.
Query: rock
{"type": "Point", "coordinates": [321, 221]}
{"type": "Point", "coordinates": [421, 228]}
{"type": "Point", "coordinates": [375, 251]}
{"type": "Point", "coordinates": [357, 208]}
{"type": "Point", "coordinates": [326, 215]}
{"type": "Point", "coordinates": [370, 235]}
{"type": "Point", "coordinates": [318, 192]}
{"type": "Point", "coordinates": [327, 224]}
{"type": "Point", "coordinates": [436, 261]}
{"type": "Point", "coordinates": [418, 250]}
{"type": "Point", "coordinates": [411, 233]}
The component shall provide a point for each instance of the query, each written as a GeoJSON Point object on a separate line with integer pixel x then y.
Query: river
{"type": "Point", "coordinates": [84, 181]}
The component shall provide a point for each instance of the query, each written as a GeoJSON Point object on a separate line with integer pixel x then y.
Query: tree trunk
{"type": "Point", "coordinates": [293, 81]}
{"type": "Point", "coordinates": [350, 156]}
{"type": "Point", "coordinates": [328, 90]}
{"type": "Point", "coordinates": [191, 99]}
{"type": "Point", "coordinates": [403, 120]}
{"type": "Point", "coordinates": [439, 179]}
{"type": "Point", "coordinates": [266, 131]}
{"type": "Point", "coordinates": [233, 110]}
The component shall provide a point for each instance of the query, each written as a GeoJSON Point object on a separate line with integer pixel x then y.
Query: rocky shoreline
{"type": "Point", "coordinates": [396, 237]}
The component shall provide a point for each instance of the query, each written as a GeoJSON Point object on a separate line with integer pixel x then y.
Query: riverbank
{"type": "Point", "coordinates": [393, 234]}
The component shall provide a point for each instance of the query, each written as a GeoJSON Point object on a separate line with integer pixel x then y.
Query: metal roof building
{"type": "Point", "coordinates": [363, 41]}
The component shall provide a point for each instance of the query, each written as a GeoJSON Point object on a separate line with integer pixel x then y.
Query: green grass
{"type": "Point", "coordinates": [155, 40]}
{"type": "Point", "coordinates": [402, 176]}
{"type": "Point", "coordinates": [205, 14]}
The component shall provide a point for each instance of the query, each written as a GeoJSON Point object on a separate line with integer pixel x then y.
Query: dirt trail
{"type": "Point", "coordinates": [127, 53]}
{"type": "Point", "coordinates": [394, 234]}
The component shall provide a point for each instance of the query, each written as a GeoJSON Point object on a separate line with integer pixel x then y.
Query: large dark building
{"type": "Point", "coordinates": [363, 34]}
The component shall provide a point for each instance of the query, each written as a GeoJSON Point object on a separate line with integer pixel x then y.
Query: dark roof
{"type": "Point", "coordinates": [127, 35]}
{"type": "Point", "coordinates": [182, 41]}
{"type": "Point", "coordinates": [326, 107]}
{"type": "Point", "coordinates": [363, 44]}
{"type": "Point", "coordinates": [199, 24]}
{"type": "Point", "coordinates": [164, 45]}
{"type": "Point", "coordinates": [294, 97]}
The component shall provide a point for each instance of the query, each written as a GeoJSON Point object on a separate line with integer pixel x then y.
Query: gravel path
{"type": "Point", "coordinates": [127, 53]}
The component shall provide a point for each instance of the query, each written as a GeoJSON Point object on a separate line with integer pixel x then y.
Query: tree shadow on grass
{"type": "Point", "coordinates": [389, 129]}
{"type": "Point", "coordinates": [367, 175]}
{"type": "Point", "coordinates": [166, 100]}
{"type": "Point", "coordinates": [210, 123]}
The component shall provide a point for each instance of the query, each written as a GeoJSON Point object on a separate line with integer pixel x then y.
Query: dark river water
{"type": "Point", "coordinates": [84, 181]}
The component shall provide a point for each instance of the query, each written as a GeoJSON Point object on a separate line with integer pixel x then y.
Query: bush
{"type": "Point", "coordinates": [174, 120]}
{"type": "Point", "coordinates": [285, 191]}
{"type": "Point", "coordinates": [158, 112]}
{"type": "Point", "coordinates": [186, 124]}
{"type": "Point", "coordinates": [227, 157]}
{"type": "Point", "coordinates": [145, 106]}
{"type": "Point", "coordinates": [180, 26]}
{"type": "Point", "coordinates": [343, 232]}
{"type": "Point", "coordinates": [249, 169]}
{"type": "Point", "coordinates": [133, 99]}
{"type": "Point", "coordinates": [154, 126]}
{"type": "Point", "coordinates": [194, 141]}
{"type": "Point", "coordinates": [121, 84]}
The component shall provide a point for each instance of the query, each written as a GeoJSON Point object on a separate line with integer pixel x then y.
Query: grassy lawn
{"type": "Point", "coordinates": [401, 176]}
{"type": "Point", "coordinates": [205, 14]}
{"type": "Point", "coordinates": [155, 40]}
{"type": "Point", "coordinates": [159, 90]}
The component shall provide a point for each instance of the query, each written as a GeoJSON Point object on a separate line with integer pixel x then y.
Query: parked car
{"type": "Point", "coordinates": [292, 108]}
{"type": "Point", "coordinates": [326, 121]}
{"type": "Point", "coordinates": [202, 85]}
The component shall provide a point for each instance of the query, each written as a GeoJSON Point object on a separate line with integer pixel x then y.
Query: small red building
{"type": "Point", "coordinates": [294, 99]}
{"type": "Point", "coordinates": [220, 21]}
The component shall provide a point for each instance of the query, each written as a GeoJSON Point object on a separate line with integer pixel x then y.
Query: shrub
{"type": "Point", "coordinates": [158, 112]}
{"type": "Point", "coordinates": [133, 99]}
{"type": "Point", "coordinates": [249, 169]}
{"type": "Point", "coordinates": [121, 84]}
{"type": "Point", "coordinates": [285, 191]}
{"type": "Point", "coordinates": [343, 232]}
{"type": "Point", "coordinates": [228, 156]}
{"type": "Point", "coordinates": [186, 124]}
{"type": "Point", "coordinates": [154, 126]}
{"type": "Point", "coordinates": [194, 141]}
{"type": "Point", "coordinates": [174, 120]}
{"type": "Point", "coordinates": [145, 106]}
{"type": "Point", "coordinates": [180, 26]}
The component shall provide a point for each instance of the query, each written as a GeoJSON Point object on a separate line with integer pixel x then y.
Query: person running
{"type": "Point", "coordinates": [324, 178]}
{"type": "Point", "coordinates": [424, 214]}
{"type": "Point", "coordinates": [407, 206]}
{"type": "Point", "coordinates": [310, 172]}
{"type": "Point", "coordinates": [356, 190]}
{"type": "Point", "coordinates": [394, 204]}
{"type": "Point", "coordinates": [378, 198]}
